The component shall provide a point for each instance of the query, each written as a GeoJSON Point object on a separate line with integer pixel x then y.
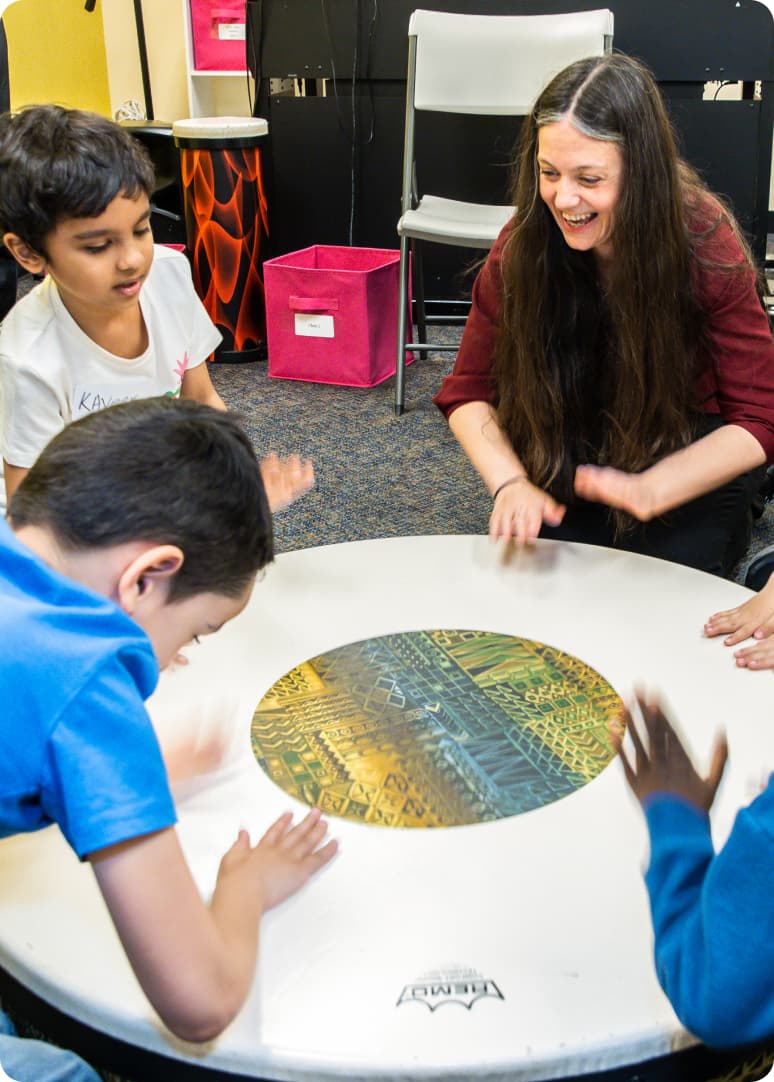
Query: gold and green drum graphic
{"type": "Point", "coordinates": [435, 728]}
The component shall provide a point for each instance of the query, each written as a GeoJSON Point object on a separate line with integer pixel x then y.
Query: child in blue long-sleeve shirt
{"type": "Point", "coordinates": [713, 913]}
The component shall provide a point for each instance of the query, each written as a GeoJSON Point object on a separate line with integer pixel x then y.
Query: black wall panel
{"type": "Point", "coordinates": [335, 161]}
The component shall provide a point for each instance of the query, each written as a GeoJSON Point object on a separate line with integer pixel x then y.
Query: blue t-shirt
{"type": "Point", "coordinates": [77, 747]}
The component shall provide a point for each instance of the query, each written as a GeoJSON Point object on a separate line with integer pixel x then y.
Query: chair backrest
{"type": "Point", "coordinates": [498, 64]}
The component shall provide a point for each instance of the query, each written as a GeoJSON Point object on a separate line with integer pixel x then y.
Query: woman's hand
{"type": "Point", "coordinates": [520, 509]}
{"type": "Point", "coordinates": [631, 492]}
{"type": "Point", "coordinates": [684, 475]}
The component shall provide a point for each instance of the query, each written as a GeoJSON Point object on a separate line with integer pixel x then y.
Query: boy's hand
{"type": "Point", "coordinates": [285, 479]}
{"type": "Point", "coordinates": [284, 858]}
{"type": "Point", "coordinates": [665, 766]}
{"type": "Point", "coordinates": [196, 962]}
{"type": "Point", "coordinates": [191, 756]}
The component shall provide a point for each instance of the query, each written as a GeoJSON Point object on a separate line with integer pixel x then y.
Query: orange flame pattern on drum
{"type": "Point", "coordinates": [226, 223]}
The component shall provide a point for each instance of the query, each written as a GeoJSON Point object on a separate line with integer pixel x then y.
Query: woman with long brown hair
{"type": "Point", "coordinates": [615, 380]}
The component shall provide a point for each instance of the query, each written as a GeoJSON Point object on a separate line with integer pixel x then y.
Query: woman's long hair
{"type": "Point", "coordinates": [586, 373]}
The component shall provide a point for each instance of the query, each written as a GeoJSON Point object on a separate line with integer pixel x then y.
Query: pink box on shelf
{"type": "Point", "coordinates": [332, 315]}
{"type": "Point", "coordinates": [218, 31]}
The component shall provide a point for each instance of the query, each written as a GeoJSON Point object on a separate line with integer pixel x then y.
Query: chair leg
{"type": "Point", "coordinates": [419, 289]}
{"type": "Point", "coordinates": [403, 310]}
{"type": "Point", "coordinates": [420, 310]}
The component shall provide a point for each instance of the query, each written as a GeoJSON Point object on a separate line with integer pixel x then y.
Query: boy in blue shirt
{"type": "Point", "coordinates": [139, 528]}
{"type": "Point", "coordinates": [116, 317]}
{"type": "Point", "coordinates": [713, 916]}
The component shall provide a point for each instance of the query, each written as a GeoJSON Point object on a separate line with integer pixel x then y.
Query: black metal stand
{"type": "Point", "coordinates": [143, 51]}
{"type": "Point", "coordinates": [139, 23]}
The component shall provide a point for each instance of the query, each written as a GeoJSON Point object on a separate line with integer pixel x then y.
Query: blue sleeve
{"type": "Point", "coordinates": [104, 777]}
{"type": "Point", "coordinates": [713, 919]}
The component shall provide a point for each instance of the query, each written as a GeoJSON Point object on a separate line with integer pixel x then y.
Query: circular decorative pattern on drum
{"type": "Point", "coordinates": [435, 728]}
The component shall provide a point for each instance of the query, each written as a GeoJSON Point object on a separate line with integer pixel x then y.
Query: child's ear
{"type": "Point", "coordinates": [147, 578]}
{"type": "Point", "coordinates": [25, 256]}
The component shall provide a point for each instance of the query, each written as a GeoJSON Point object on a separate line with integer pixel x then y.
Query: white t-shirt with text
{"type": "Point", "coordinates": [52, 373]}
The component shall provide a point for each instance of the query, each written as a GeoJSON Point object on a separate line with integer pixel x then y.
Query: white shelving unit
{"type": "Point", "coordinates": [214, 93]}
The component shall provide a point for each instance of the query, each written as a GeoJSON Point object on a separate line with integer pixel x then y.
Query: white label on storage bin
{"type": "Point", "coordinates": [313, 325]}
{"type": "Point", "coordinates": [231, 31]}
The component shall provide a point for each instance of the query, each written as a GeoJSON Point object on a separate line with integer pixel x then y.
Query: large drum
{"type": "Point", "coordinates": [485, 917]}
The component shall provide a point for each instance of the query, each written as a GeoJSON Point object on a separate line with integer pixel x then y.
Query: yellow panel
{"type": "Point", "coordinates": [56, 53]}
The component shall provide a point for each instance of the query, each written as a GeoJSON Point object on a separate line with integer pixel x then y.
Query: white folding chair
{"type": "Point", "coordinates": [484, 65]}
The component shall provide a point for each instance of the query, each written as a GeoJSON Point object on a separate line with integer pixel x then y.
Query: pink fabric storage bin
{"type": "Point", "coordinates": [218, 31]}
{"type": "Point", "coordinates": [331, 315]}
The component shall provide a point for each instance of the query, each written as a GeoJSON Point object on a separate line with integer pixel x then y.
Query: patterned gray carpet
{"type": "Point", "coordinates": [378, 475]}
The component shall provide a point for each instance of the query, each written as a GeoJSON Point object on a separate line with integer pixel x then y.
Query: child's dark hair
{"type": "Point", "coordinates": [165, 470]}
{"type": "Point", "coordinates": [60, 163]}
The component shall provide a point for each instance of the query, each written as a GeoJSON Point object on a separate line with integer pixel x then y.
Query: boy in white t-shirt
{"type": "Point", "coordinates": [116, 317]}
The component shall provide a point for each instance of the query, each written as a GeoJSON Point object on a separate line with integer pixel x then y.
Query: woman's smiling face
{"type": "Point", "coordinates": [580, 183]}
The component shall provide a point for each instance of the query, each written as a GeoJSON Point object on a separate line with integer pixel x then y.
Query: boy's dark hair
{"type": "Point", "coordinates": [60, 163]}
{"type": "Point", "coordinates": [169, 471]}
